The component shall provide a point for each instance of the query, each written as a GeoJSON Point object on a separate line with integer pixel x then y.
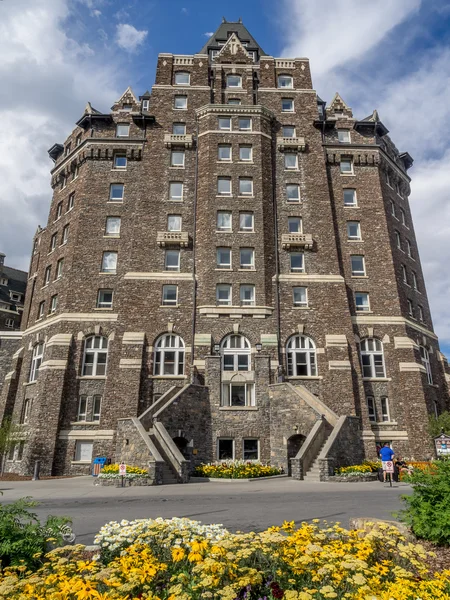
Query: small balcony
{"type": "Point", "coordinates": [172, 238]}
{"type": "Point", "coordinates": [291, 143]}
{"type": "Point", "coordinates": [172, 139]}
{"type": "Point", "coordinates": [297, 240]}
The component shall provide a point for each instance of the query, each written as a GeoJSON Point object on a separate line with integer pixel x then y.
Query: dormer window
{"type": "Point", "coordinates": [122, 130]}
{"type": "Point", "coordinates": [213, 54]}
{"type": "Point", "coordinates": [234, 81]}
{"type": "Point", "coordinates": [67, 150]}
{"type": "Point", "coordinates": [3, 281]}
{"type": "Point", "coordinates": [145, 105]}
{"type": "Point", "coordinates": [128, 107]}
{"type": "Point", "coordinates": [182, 78]}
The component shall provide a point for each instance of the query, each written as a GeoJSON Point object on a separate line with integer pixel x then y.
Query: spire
{"type": "Point", "coordinates": [338, 105]}
{"type": "Point", "coordinates": [225, 31]}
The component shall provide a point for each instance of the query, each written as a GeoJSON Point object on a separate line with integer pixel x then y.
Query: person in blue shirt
{"type": "Point", "coordinates": [386, 454]}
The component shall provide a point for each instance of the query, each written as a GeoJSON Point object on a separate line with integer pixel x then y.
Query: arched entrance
{"type": "Point", "coordinates": [294, 444]}
{"type": "Point", "coordinates": [182, 445]}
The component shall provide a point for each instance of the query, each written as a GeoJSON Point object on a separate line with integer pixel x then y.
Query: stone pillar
{"type": "Point", "coordinates": [127, 387]}
{"type": "Point", "coordinates": [213, 378]}
{"type": "Point", "coordinates": [10, 385]}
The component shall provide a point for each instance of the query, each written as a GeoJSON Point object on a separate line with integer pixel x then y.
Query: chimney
{"type": "Point", "coordinates": [2, 260]}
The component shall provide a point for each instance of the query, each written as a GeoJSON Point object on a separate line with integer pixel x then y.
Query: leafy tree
{"type": "Point", "coordinates": [23, 539]}
{"type": "Point", "coordinates": [8, 437]}
{"type": "Point", "coordinates": [427, 508]}
{"type": "Point", "coordinates": [437, 424]}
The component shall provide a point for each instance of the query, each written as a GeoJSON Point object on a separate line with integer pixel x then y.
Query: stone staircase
{"type": "Point", "coordinates": [313, 473]}
{"type": "Point", "coordinates": [169, 475]}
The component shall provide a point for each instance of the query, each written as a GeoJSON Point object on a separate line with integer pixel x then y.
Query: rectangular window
{"type": "Point", "coordinates": [371, 408]}
{"type": "Point", "coordinates": [182, 78]}
{"type": "Point", "coordinates": [78, 139]}
{"type": "Point", "coordinates": [297, 262]}
{"type": "Point", "coordinates": [145, 105]}
{"type": "Point", "coordinates": [225, 449]}
{"type": "Point", "coordinates": [224, 258]}
{"type": "Point", "coordinates": [403, 217]}
{"type": "Point", "coordinates": [59, 268]}
{"type": "Point", "coordinates": [350, 197]}
{"type": "Point", "coordinates": [180, 102]}
{"type": "Point", "coordinates": [224, 186]}
{"type": "Point", "coordinates": [410, 308]}
{"type": "Point", "coordinates": [238, 394]}
{"type": "Point", "coordinates": [127, 107]}
{"type": "Point", "coordinates": [67, 149]}
{"type": "Point", "coordinates": [245, 153]}
{"type": "Point", "coordinates": [285, 81]}
{"type": "Point", "coordinates": [174, 222]}
{"type": "Point", "coordinates": [96, 408]}
{"type": "Point", "coordinates": [388, 180]}
{"type": "Point", "coordinates": [295, 224]}
{"type": "Point", "coordinates": [116, 192]}
{"type": "Point", "coordinates": [20, 449]}
{"type": "Point", "coordinates": [393, 211]}
{"type": "Point", "coordinates": [404, 274]}
{"type": "Point", "coordinates": [26, 409]}
{"type": "Point", "coordinates": [47, 275]}
{"type": "Point", "coordinates": [75, 172]}
{"type": "Point", "coordinates": [300, 296]}
{"type": "Point", "coordinates": [287, 105]}
{"type": "Point", "coordinates": [250, 450]}
{"type": "Point", "coordinates": [247, 258]}
{"type": "Point", "coordinates": [409, 249]}
{"type": "Point", "coordinates": [58, 210]}
{"type": "Point", "coordinates": [11, 451]}
{"type": "Point", "coordinates": [346, 166]}
{"type": "Point", "coordinates": [353, 230]}
{"type": "Point", "coordinates": [177, 158]}
{"type": "Point", "coordinates": [234, 81]}
{"type": "Point", "coordinates": [344, 136]}
{"type": "Point", "coordinates": [54, 303]}
{"type": "Point", "coordinates": [41, 310]}
{"type": "Point", "coordinates": [246, 221]}
{"type": "Point", "coordinates": [420, 310]}
{"type": "Point", "coordinates": [293, 192]}
{"type": "Point", "coordinates": [385, 409]}
{"type": "Point", "coordinates": [112, 226]}
{"type": "Point", "coordinates": [122, 130]}
{"type": "Point", "coordinates": [172, 260]}
{"type": "Point", "coordinates": [223, 220]}
{"type": "Point", "coordinates": [290, 160]}
{"type": "Point", "coordinates": [65, 235]}
{"type": "Point", "coordinates": [224, 152]}
{"type": "Point", "coordinates": [176, 190]}
{"type": "Point", "coordinates": [223, 294]}
{"type": "Point", "coordinates": [225, 123]}
{"type": "Point", "coordinates": [170, 295]}
{"type": "Point", "coordinates": [9, 323]}
{"type": "Point", "coordinates": [120, 161]}
{"type": "Point", "coordinates": [83, 451]}
{"type": "Point", "coordinates": [245, 186]}
{"type": "Point", "coordinates": [109, 262]}
{"type": "Point", "coordinates": [245, 124]}
{"type": "Point", "coordinates": [247, 295]}
{"type": "Point", "coordinates": [288, 131]}
{"type": "Point", "coordinates": [398, 240]}
{"type": "Point", "coordinates": [104, 299]}
{"type": "Point", "coordinates": [53, 242]}
{"type": "Point", "coordinates": [233, 101]}
{"type": "Point", "coordinates": [71, 201]}
{"type": "Point", "coordinates": [362, 302]}
{"type": "Point", "coordinates": [179, 129]}
{"type": "Point", "coordinates": [82, 409]}
{"type": "Point", "coordinates": [358, 265]}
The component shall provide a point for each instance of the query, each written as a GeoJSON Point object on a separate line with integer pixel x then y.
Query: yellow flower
{"type": "Point", "coordinates": [178, 554]}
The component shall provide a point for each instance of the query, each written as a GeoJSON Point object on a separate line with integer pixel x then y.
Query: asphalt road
{"type": "Point", "coordinates": [238, 506]}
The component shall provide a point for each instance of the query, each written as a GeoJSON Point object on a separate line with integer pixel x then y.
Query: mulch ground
{"type": "Point", "coordinates": [15, 477]}
{"type": "Point", "coordinates": [442, 559]}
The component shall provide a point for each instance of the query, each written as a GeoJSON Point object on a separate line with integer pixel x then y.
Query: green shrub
{"type": "Point", "coordinates": [439, 424]}
{"type": "Point", "coordinates": [23, 539]}
{"type": "Point", "coordinates": [428, 508]}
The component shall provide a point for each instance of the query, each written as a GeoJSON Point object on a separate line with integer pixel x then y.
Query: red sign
{"type": "Point", "coordinates": [389, 466]}
{"type": "Point", "coordinates": [122, 469]}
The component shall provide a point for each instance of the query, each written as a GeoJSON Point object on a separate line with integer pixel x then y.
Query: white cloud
{"type": "Point", "coordinates": [208, 34]}
{"type": "Point", "coordinates": [129, 38]}
{"type": "Point", "coordinates": [96, 13]}
{"type": "Point", "coordinates": [355, 49]}
{"type": "Point", "coordinates": [43, 92]}
{"type": "Point", "coordinates": [184, 10]}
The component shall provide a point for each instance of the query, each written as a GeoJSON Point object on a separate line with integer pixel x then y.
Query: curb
{"type": "Point", "coordinates": [223, 480]}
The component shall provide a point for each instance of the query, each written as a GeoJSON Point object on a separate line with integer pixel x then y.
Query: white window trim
{"type": "Point", "coordinates": [259, 449]}
{"type": "Point", "coordinates": [365, 307]}
{"type": "Point", "coordinates": [362, 273]}
{"type": "Point", "coordinates": [161, 349]}
{"type": "Point", "coordinates": [180, 107]}
{"type": "Point", "coordinates": [172, 269]}
{"type": "Point", "coordinates": [230, 192]}
{"type": "Point", "coordinates": [95, 352]}
{"type": "Point", "coordinates": [228, 267]}
{"type": "Point", "coordinates": [344, 173]}
{"type": "Point", "coordinates": [164, 301]}
{"type": "Point", "coordinates": [355, 204]}
{"type": "Point", "coordinates": [304, 304]}
{"type": "Point", "coordinates": [243, 301]}
{"type": "Point", "coordinates": [252, 259]}
{"type": "Point", "coordinates": [174, 165]}
{"type": "Point", "coordinates": [371, 354]}
{"type": "Point", "coordinates": [295, 269]}
{"type": "Point", "coordinates": [221, 302]}
{"type": "Point", "coordinates": [224, 128]}
{"type": "Point", "coordinates": [182, 73]}
{"type": "Point", "coordinates": [176, 198]}
{"type": "Point", "coordinates": [247, 194]}
{"type": "Point", "coordinates": [245, 128]}
{"type": "Point", "coordinates": [246, 160]}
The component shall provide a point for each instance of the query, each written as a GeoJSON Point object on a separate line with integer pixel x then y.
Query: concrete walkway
{"type": "Point", "coordinates": [238, 506]}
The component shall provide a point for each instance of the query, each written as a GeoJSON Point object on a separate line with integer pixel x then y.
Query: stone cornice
{"type": "Point", "coordinates": [398, 320]}
{"type": "Point", "coordinates": [71, 317]}
{"type": "Point", "coordinates": [235, 109]}
{"type": "Point", "coordinates": [11, 335]}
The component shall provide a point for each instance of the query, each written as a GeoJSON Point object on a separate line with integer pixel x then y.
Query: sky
{"type": "Point", "coordinates": [390, 55]}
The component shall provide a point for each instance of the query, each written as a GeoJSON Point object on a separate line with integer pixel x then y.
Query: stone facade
{"type": "Point", "coordinates": [233, 184]}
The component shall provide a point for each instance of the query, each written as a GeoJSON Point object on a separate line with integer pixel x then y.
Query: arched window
{"type": "Point", "coordinates": [95, 356]}
{"type": "Point", "coordinates": [301, 357]}
{"type": "Point", "coordinates": [236, 352]}
{"type": "Point", "coordinates": [169, 355]}
{"type": "Point", "coordinates": [36, 360]}
{"type": "Point", "coordinates": [425, 356]}
{"type": "Point", "coordinates": [372, 358]}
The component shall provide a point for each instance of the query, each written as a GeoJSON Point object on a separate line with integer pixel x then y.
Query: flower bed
{"type": "Point", "coordinates": [112, 472]}
{"type": "Point", "coordinates": [182, 560]}
{"type": "Point", "coordinates": [236, 469]}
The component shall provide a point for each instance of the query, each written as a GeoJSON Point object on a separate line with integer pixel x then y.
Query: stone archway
{"type": "Point", "coordinates": [294, 444]}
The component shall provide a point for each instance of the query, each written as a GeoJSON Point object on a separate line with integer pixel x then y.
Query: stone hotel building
{"type": "Point", "coordinates": [229, 270]}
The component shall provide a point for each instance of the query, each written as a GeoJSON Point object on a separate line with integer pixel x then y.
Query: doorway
{"type": "Point", "coordinates": [294, 443]}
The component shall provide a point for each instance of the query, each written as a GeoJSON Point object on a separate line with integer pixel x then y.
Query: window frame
{"type": "Point", "coordinates": [70, 201]}
{"type": "Point", "coordinates": [104, 268]}
{"type": "Point", "coordinates": [78, 453]}
{"type": "Point", "coordinates": [177, 98]}
{"type": "Point", "coordinates": [362, 307]}
{"type": "Point", "coordinates": [165, 301]}
{"type": "Point", "coordinates": [230, 187]}
{"type": "Point", "coordinates": [293, 254]}
{"type": "Point", "coordinates": [220, 123]}
{"type": "Point", "coordinates": [237, 77]}
{"type": "Point", "coordinates": [341, 133]}
{"type": "Point", "coordinates": [301, 344]}
{"type": "Point", "coordinates": [358, 272]}
{"type": "Point", "coordinates": [171, 196]}
{"type": "Point", "coordinates": [373, 365]}
{"type": "Point", "coordinates": [425, 359]}
{"type": "Point", "coordinates": [183, 83]}
{"type": "Point", "coordinates": [243, 287]}
{"type": "Point", "coordinates": [108, 222]}
{"type": "Point", "coordinates": [90, 350]}
{"type": "Point", "coordinates": [251, 264]}
{"type": "Point", "coordinates": [178, 124]}
{"type": "Point", "coordinates": [103, 303]}
{"type": "Point", "coordinates": [241, 128]}
{"type": "Point", "coordinates": [36, 361]}
{"type": "Point", "coordinates": [245, 180]}
{"type": "Point", "coordinates": [246, 214]}
{"type": "Point", "coordinates": [229, 214]}
{"type": "Point", "coordinates": [258, 453]}
{"type": "Point", "coordinates": [218, 453]}
{"type": "Point", "coordinates": [228, 266]}
{"type": "Point", "coordinates": [160, 362]}
{"type": "Point", "coordinates": [172, 252]}
{"type": "Point", "coordinates": [289, 110]}
{"type": "Point", "coordinates": [224, 147]}
{"type": "Point", "coordinates": [371, 409]}
{"type": "Point", "coordinates": [241, 355]}
{"type": "Point", "coordinates": [300, 303]}
{"type": "Point", "coordinates": [292, 199]}
{"type": "Point", "coordinates": [54, 303]}
{"type": "Point", "coordinates": [385, 409]}
{"type": "Point", "coordinates": [173, 154]}
{"type": "Point", "coordinates": [285, 77]}
{"type": "Point", "coordinates": [222, 287]}
{"type": "Point", "coordinates": [358, 236]}
{"type": "Point", "coordinates": [290, 155]}
{"type": "Point", "coordinates": [82, 409]}
{"type": "Point", "coordinates": [354, 196]}
{"type": "Point", "coordinates": [246, 147]}
{"type": "Point", "coordinates": [344, 161]}
{"type": "Point", "coordinates": [118, 156]}
{"type": "Point", "coordinates": [114, 186]}
{"type": "Point", "coordinates": [122, 127]}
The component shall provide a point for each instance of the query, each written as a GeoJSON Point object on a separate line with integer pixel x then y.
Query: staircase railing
{"type": "Point", "coordinates": [146, 418]}
{"type": "Point", "coordinates": [176, 459]}
{"type": "Point", "coordinates": [310, 449]}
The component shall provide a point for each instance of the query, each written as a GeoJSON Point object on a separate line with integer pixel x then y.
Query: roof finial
{"type": "Point", "coordinates": [240, 20]}
{"type": "Point", "coordinates": [224, 20]}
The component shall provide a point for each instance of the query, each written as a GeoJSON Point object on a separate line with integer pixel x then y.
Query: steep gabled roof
{"type": "Point", "coordinates": [224, 31]}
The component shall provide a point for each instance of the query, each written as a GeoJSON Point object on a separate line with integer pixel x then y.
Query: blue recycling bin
{"type": "Point", "coordinates": [98, 465]}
